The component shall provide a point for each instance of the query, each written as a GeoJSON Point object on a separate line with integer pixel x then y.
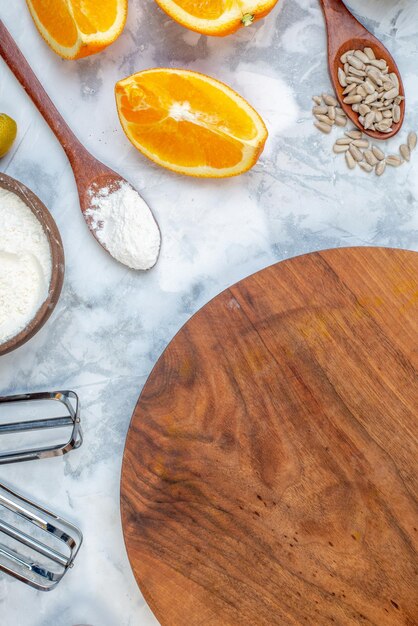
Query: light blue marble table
{"type": "Point", "coordinates": [112, 324]}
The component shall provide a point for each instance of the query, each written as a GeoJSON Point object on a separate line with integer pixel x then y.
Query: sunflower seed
{"type": "Point", "coordinates": [370, 158]}
{"type": "Point", "coordinates": [375, 76]}
{"type": "Point", "coordinates": [360, 143]}
{"type": "Point", "coordinates": [354, 134]}
{"type": "Point", "coordinates": [394, 78]}
{"type": "Point", "coordinates": [370, 53]}
{"type": "Point", "coordinates": [329, 100]}
{"type": "Point", "coordinates": [355, 62]}
{"type": "Point", "coordinates": [339, 149]}
{"type": "Point", "coordinates": [356, 108]}
{"type": "Point", "coordinates": [386, 114]}
{"type": "Point", "coordinates": [317, 100]}
{"type": "Point", "coordinates": [378, 153]}
{"type": "Point", "coordinates": [356, 153]}
{"type": "Point", "coordinates": [362, 56]}
{"type": "Point", "coordinates": [344, 141]}
{"type": "Point", "coordinates": [388, 85]}
{"type": "Point", "coordinates": [378, 116]}
{"type": "Point", "coordinates": [379, 63]}
{"type": "Point", "coordinates": [339, 111]}
{"type": "Point", "coordinates": [371, 98]}
{"type": "Point", "coordinates": [354, 72]}
{"type": "Point", "coordinates": [340, 121]}
{"type": "Point", "coordinates": [412, 141]}
{"type": "Point", "coordinates": [320, 110]}
{"type": "Point", "coordinates": [361, 91]}
{"type": "Point", "coordinates": [392, 93]}
{"type": "Point", "coordinates": [343, 58]}
{"type": "Point", "coordinates": [383, 126]}
{"type": "Point", "coordinates": [362, 120]}
{"type": "Point", "coordinates": [399, 99]}
{"type": "Point", "coordinates": [396, 113]}
{"type": "Point", "coordinates": [380, 168]}
{"type": "Point", "coordinates": [324, 128]}
{"type": "Point", "coordinates": [331, 113]}
{"type": "Point", "coordinates": [354, 80]}
{"type": "Point", "coordinates": [363, 109]}
{"type": "Point", "coordinates": [350, 160]}
{"type": "Point", "coordinates": [366, 166]}
{"type": "Point", "coordinates": [405, 152]}
{"type": "Point", "coordinates": [369, 119]}
{"type": "Point", "coordinates": [342, 78]}
{"type": "Point", "coordinates": [352, 99]}
{"type": "Point", "coordinates": [369, 86]}
{"type": "Point", "coordinates": [349, 89]}
{"type": "Point", "coordinates": [324, 119]}
{"type": "Point", "coordinates": [393, 160]}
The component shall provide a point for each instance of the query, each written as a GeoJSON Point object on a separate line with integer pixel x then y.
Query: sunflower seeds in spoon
{"type": "Point", "coordinates": [367, 83]}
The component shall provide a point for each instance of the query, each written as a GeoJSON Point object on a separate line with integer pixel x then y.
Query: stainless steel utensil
{"type": "Point", "coordinates": [36, 546]}
{"type": "Point", "coordinates": [21, 414]}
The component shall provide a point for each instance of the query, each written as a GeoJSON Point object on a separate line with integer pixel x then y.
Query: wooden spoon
{"type": "Point", "coordinates": [90, 174]}
{"type": "Point", "coordinates": [346, 33]}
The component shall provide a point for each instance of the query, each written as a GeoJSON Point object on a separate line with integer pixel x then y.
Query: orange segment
{"type": "Point", "coordinates": [54, 15]}
{"type": "Point", "coordinates": [216, 17]}
{"type": "Point", "coordinates": [78, 28]}
{"type": "Point", "coordinates": [93, 16]}
{"type": "Point", "coordinates": [211, 10]}
{"type": "Point", "coordinates": [189, 122]}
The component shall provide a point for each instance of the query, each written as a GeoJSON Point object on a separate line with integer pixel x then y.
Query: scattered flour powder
{"type": "Point", "coordinates": [25, 265]}
{"type": "Point", "coordinates": [125, 225]}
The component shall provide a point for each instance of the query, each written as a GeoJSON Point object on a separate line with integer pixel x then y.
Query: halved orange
{"type": "Point", "coordinates": [190, 123]}
{"type": "Point", "coordinates": [216, 17]}
{"type": "Point", "coordinates": [78, 28]}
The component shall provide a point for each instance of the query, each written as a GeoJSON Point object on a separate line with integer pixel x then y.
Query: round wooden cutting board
{"type": "Point", "coordinates": [270, 469]}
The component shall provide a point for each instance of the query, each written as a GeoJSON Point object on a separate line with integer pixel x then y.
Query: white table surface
{"type": "Point", "coordinates": [112, 324]}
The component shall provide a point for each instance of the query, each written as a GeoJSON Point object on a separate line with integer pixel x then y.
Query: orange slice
{"type": "Point", "coordinates": [190, 123]}
{"type": "Point", "coordinates": [78, 28]}
{"type": "Point", "coordinates": [216, 17]}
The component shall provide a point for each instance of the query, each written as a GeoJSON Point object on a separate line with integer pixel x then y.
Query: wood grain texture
{"type": "Point", "coordinates": [344, 32]}
{"type": "Point", "coordinates": [269, 474]}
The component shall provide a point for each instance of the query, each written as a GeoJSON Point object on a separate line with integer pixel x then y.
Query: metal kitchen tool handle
{"type": "Point", "coordinates": [70, 404]}
{"type": "Point", "coordinates": [36, 546]}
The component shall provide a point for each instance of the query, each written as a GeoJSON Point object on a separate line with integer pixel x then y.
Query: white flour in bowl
{"type": "Point", "coordinates": [25, 265]}
{"type": "Point", "coordinates": [125, 226]}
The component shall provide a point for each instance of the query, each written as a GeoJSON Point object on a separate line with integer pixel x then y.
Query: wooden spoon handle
{"type": "Point", "coordinates": [341, 24]}
{"type": "Point", "coordinates": [334, 5]}
{"type": "Point", "coordinates": [11, 54]}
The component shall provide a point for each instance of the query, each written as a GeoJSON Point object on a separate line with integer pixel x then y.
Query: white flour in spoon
{"type": "Point", "coordinates": [25, 265]}
{"type": "Point", "coordinates": [125, 225]}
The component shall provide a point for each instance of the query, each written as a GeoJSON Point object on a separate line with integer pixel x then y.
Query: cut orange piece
{"type": "Point", "coordinates": [216, 17]}
{"type": "Point", "coordinates": [78, 28]}
{"type": "Point", "coordinates": [190, 123]}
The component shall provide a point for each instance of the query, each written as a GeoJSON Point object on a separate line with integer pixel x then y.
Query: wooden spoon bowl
{"type": "Point", "coordinates": [345, 33]}
{"type": "Point", "coordinates": [57, 256]}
